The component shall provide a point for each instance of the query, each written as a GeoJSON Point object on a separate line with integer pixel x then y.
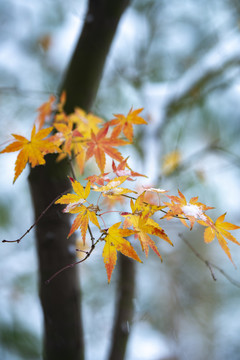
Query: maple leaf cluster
{"type": "Point", "coordinates": [79, 137]}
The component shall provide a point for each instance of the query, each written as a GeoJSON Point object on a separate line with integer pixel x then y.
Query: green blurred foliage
{"type": "Point", "coordinates": [19, 341]}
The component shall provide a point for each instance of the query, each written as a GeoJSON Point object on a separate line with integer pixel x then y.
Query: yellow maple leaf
{"type": "Point", "coordinates": [32, 151]}
{"type": "Point", "coordinates": [75, 205]}
{"type": "Point", "coordinates": [115, 241]}
{"type": "Point", "coordinates": [144, 208]}
{"type": "Point", "coordinates": [86, 123]}
{"type": "Point", "coordinates": [111, 189]}
{"type": "Point", "coordinates": [74, 200]}
{"type": "Point", "coordinates": [111, 184]}
{"type": "Point", "coordinates": [219, 229]}
{"type": "Point", "coordinates": [171, 162]}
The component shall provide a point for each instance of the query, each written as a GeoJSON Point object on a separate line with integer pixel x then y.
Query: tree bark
{"type": "Point", "coordinates": [124, 309]}
{"type": "Point", "coordinates": [91, 52]}
{"type": "Point", "coordinates": [63, 333]}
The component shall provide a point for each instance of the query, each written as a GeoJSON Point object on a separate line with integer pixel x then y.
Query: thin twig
{"type": "Point", "coordinates": [38, 219]}
{"type": "Point", "coordinates": [210, 265]}
{"type": "Point", "coordinates": [91, 235]}
{"type": "Point", "coordinates": [69, 266]}
{"type": "Point", "coordinates": [23, 92]}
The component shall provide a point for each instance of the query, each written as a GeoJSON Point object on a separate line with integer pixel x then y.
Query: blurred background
{"type": "Point", "coordinates": [180, 61]}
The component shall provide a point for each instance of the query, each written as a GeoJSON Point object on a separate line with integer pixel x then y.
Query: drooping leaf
{"type": "Point", "coordinates": [115, 241]}
{"type": "Point", "coordinates": [220, 230]}
{"type": "Point", "coordinates": [75, 205]}
{"type": "Point", "coordinates": [85, 214]}
{"type": "Point", "coordinates": [144, 226]}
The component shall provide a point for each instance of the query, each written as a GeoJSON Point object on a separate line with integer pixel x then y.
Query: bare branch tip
{"type": "Point", "coordinates": [11, 241]}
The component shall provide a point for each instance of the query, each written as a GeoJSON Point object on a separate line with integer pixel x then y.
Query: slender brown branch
{"type": "Point", "coordinates": [91, 235]}
{"type": "Point", "coordinates": [38, 219]}
{"type": "Point", "coordinates": [210, 265]}
{"type": "Point", "coordinates": [70, 266]}
{"type": "Point", "coordinates": [23, 92]}
{"type": "Point", "coordinates": [52, 202]}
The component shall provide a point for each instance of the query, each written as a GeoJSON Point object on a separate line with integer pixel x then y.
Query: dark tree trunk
{"type": "Point", "coordinates": [124, 309]}
{"type": "Point", "coordinates": [85, 71]}
{"type": "Point", "coordinates": [63, 335]}
{"type": "Point", "coordinates": [61, 300]}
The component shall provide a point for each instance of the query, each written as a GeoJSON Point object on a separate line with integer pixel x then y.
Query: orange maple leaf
{"type": "Point", "coordinates": [123, 169]}
{"type": "Point", "coordinates": [98, 179]}
{"type": "Point", "coordinates": [45, 110]}
{"type": "Point", "coordinates": [62, 102]}
{"type": "Point", "coordinates": [192, 210]}
{"type": "Point", "coordinates": [115, 241]}
{"type": "Point", "coordinates": [125, 123]}
{"type": "Point", "coordinates": [65, 134]}
{"type": "Point", "coordinates": [219, 229]}
{"type": "Point", "coordinates": [100, 144]}
{"type": "Point", "coordinates": [31, 151]}
{"type": "Point", "coordinates": [71, 140]}
{"type": "Point", "coordinates": [85, 214]}
{"type": "Point", "coordinates": [144, 226]}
